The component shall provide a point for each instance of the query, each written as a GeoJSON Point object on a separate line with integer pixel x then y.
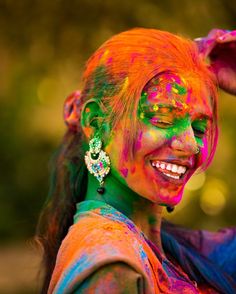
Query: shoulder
{"type": "Point", "coordinates": [92, 244]}
{"type": "Point", "coordinates": [112, 278]}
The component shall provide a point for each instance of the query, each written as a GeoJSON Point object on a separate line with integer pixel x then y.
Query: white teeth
{"type": "Point", "coordinates": [172, 176]}
{"type": "Point", "coordinates": [179, 169]}
{"type": "Point", "coordinates": [182, 169]}
{"type": "Point", "coordinates": [163, 166]}
{"type": "Point", "coordinates": [174, 168]}
{"type": "Point", "coordinates": [168, 167]}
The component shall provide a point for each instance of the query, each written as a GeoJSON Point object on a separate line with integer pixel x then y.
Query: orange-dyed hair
{"type": "Point", "coordinates": [118, 71]}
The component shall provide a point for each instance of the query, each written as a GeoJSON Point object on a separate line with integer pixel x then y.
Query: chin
{"type": "Point", "coordinates": [170, 199]}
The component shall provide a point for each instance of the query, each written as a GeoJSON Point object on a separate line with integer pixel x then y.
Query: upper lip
{"type": "Point", "coordinates": [189, 163]}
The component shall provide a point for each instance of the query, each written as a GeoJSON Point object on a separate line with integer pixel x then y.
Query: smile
{"type": "Point", "coordinates": [170, 170]}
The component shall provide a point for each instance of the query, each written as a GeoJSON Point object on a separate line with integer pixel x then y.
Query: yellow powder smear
{"type": "Point", "coordinates": [173, 102]}
{"type": "Point", "coordinates": [155, 107]}
{"type": "Point", "coordinates": [104, 56]}
{"type": "Point", "coordinates": [141, 115]}
{"type": "Point", "coordinates": [125, 85]}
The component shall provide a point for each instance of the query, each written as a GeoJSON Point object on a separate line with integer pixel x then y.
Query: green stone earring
{"type": "Point", "coordinates": [97, 162]}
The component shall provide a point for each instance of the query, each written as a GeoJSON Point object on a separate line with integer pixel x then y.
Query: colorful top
{"type": "Point", "coordinates": [105, 252]}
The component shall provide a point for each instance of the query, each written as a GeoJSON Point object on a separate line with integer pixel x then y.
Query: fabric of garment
{"type": "Point", "coordinates": [105, 252]}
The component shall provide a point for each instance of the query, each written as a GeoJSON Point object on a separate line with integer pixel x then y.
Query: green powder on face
{"type": "Point", "coordinates": [151, 219]}
{"type": "Point", "coordinates": [179, 89]}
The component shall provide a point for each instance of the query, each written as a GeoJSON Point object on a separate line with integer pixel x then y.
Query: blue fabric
{"type": "Point", "coordinates": [202, 269]}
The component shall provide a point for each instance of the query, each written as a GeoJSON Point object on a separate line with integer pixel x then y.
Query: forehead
{"type": "Point", "coordinates": [187, 94]}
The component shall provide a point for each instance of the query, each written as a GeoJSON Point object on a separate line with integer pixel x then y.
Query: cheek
{"type": "Point", "coordinates": [171, 197]}
{"type": "Point", "coordinates": [138, 142]}
{"type": "Point", "coordinates": [204, 151]}
{"type": "Point", "coordinates": [147, 140]}
{"type": "Point", "coordinates": [118, 156]}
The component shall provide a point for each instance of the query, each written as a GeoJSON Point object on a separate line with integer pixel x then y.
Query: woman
{"type": "Point", "coordinates": [144, 122]}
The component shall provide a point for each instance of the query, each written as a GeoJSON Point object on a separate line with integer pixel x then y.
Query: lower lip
{"type": "Point", "coordinates": [179, 181]}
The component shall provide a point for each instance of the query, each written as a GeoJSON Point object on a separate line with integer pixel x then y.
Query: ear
{"type": "Point", "coordinates": [93, 119]}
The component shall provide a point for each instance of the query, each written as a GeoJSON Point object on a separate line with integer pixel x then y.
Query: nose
{"type": "Point", "coordinates": [185, 142]}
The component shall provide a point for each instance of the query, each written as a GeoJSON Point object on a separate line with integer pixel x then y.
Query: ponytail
{"type": "Point", "coordinates": [67, 187]}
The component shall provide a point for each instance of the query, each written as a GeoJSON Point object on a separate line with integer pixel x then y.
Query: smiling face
{"type": "Point", "coordinates": [174, 119]}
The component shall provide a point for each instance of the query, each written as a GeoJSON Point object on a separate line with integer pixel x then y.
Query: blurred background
{"type": "Point", "coordinates": [43, 48]}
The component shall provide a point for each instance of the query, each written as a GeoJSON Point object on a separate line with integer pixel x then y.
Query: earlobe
{"type": "Point", "coordinates": [92, 118]}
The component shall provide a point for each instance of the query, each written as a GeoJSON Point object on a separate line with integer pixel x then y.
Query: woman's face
{"type": "Point", "coordinates": [174, 115]}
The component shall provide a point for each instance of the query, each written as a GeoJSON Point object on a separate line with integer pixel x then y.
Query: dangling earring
{"type": "Point", "coordinates": [97, 162]}
{"type": "Point", "coordinates": [170, 208]}
{"type": "Point", "coordinates": [197, 150]}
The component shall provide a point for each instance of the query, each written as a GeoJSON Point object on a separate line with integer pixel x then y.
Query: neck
{"type": "Point", "coordinates": [145, 214]}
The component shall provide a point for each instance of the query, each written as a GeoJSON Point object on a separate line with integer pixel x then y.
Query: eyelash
{"type": "Point", "coordinates": [162, 123]}
{"type": "Point", "coordinates": [199, 133]}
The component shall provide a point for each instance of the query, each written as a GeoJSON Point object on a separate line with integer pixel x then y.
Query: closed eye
{"type": "Point", "coordinates": [199, 133]}
{"type": "Point", "coordinates": [161, 123]}
{"type": "Point", "coordinates": [200, 128]}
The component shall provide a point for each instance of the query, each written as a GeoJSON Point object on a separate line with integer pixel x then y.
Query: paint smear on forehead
{"type": "Point", "coordinates": [175, 91]}
{"type": "Point", "coordinates": [169, 87]}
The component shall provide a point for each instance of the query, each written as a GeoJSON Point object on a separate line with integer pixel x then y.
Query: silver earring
{"type": "Point", "coordinates": [97, 162]}
{"type": "Point", "coordinates": [197, 150]}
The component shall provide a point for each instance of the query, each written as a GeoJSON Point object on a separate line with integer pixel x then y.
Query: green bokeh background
{"type": "Point", "coordinates": [43, 48]}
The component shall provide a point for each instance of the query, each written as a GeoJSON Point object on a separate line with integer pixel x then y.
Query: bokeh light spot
{"type": "Point", "coordinates": [47, 90]}
{"type": "Point", "coordinates": [196, 182]}
{"type": "Point", "coordinates": [213, 197]}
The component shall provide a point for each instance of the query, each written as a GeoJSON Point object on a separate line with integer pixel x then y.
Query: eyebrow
{"type": "Point", "coordinates": [165, 105]}
{"type": "Point", "coordinates": [161, 105]}
{"type": "Point", "coordinates": [175, 107]}
{"type": "Point", "coordinates": [204, 116]}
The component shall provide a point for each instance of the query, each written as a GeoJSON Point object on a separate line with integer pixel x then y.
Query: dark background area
{"type": "Point", "coordinates": [43, 48]}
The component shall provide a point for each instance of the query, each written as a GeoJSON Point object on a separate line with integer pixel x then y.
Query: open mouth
{"type": "Point", "coordinates": [170, 170]}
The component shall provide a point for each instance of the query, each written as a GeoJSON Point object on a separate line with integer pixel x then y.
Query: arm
{"type": "Point", "coordinates": [117, 278]}
{"type": "Point", "coordinates": [219, 247]}
{"type": "Point", "coordinates": [219, 46]}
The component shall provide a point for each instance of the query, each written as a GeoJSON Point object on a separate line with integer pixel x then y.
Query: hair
{"type": "Point", "coordinates": [115, 76]}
